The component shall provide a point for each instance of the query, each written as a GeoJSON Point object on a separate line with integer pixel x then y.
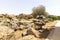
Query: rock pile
{"type": "Point", "coordinates": [22, 27]}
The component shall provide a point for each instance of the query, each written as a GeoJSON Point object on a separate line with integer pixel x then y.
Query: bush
{"type": "Point", "coordinates": [53, 17]}
{"type": "Point", "coordinates": [40, 10]}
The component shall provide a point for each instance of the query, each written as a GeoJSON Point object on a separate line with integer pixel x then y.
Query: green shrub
{"type": "Point", "coordinates": [53, 17]}
{"type": "Point", "coordinates": [40, 10]}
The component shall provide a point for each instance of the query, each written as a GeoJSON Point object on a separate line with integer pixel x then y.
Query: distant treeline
{"type": "Point", "coordinates": [54, 17]}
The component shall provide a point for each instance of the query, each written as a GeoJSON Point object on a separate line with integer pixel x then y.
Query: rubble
{"type": "Point", "coordinates": [23, 27]}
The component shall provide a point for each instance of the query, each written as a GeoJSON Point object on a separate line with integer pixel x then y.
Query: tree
{"type": "Point", "coordinates": [40, 10]}
{"type": "Point", "coordinates": [58, 17]}
{"type": "Point", "coordinates": [53, 17]}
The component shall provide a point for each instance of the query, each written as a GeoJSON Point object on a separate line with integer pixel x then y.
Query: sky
{"type": "Point", "coordinates": [25, 6]}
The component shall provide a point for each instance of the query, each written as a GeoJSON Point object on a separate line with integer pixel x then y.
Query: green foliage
{"type": "Point", "coordinates": [40, 10]}
{"type": "Point", "coordinates": [53, 17]}
{"type": "Point", "coordinates": [58, 17]}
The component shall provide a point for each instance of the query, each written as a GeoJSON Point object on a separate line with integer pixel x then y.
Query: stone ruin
{"type": "Point", "coordinates": [22, 27]}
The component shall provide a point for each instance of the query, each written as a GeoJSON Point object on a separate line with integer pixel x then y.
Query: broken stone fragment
{"type": "Point", "coordinates": [40, 17]}
{"type": "Point", "coordinates": [22, 27]}
{"type": "Point", "coordinates": [25, 33]}
{"type": "Point", "coordinates": [5, 32]}
{"type": "Point", "coordinates": [39, 25]}
{"type": "Point", "coordinates": [26, 24]}
{"type": "Point", "coordinates": [17, 34]}
{"type": "Point", "coordinates": [29, 37]}
{"type": "Point", "coordinates": [34, 32]}
{"type": "Point", "coordinates": [40, 31]}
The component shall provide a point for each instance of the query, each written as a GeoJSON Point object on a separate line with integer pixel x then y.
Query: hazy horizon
{"type": "Point", "coordinates": [25, 6]}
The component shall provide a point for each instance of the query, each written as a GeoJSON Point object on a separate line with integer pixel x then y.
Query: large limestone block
{"type": "Point", "coordinates": [5, 32]}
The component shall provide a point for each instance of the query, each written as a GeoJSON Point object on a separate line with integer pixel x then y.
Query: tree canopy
{"type": "Point", "coordinates": [39, 10]}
